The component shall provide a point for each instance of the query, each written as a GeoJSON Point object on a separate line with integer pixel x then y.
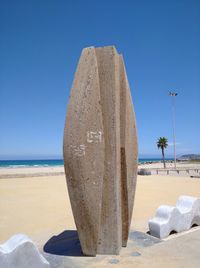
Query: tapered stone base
{"type": "Point", "coordinates": [100, 151]}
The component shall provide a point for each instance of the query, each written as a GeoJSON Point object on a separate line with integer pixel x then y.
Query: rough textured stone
{"type": "Point", "coordinates": [178, 219]}
{"type": "Point", "coordinates": [100, 151]}
{"type": "Point", "coordinates": [20, 252]}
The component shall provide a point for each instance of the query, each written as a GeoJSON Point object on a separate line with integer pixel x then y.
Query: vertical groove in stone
{"type": "Point", "coordinates": [124, 198]}
{"type": "Point", "coordinates": [124, 190]}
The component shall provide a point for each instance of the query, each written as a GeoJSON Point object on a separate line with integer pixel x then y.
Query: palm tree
{"type": "Point", "coordinates": [162, 143]}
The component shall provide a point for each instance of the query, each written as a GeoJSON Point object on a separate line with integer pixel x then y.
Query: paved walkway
{"type": "Point", "coordinates": [175, 172]}
{"type": "Point", "coordinates": [178, 251]}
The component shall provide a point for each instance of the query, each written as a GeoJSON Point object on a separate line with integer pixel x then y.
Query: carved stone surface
{"type": "Point", "coordinates": [100, 151]}
{"type": "Point", "coordinates": [178, 219]}
{"type": "Point", "coordinates": [20, 252]}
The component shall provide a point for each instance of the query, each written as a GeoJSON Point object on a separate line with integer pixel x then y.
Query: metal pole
{"type": "Point", "coordinates": [173, 94]}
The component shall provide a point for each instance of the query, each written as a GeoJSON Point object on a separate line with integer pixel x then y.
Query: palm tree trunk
{"type": "Point", "coordinates": [163, 156]}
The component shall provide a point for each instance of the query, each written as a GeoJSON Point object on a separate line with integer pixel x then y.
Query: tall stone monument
{"type": "Point", "coordinates": [100, 151]}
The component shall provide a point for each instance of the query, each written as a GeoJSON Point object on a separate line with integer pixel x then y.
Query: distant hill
{"type": "Point", "coordinates": [190, 157]}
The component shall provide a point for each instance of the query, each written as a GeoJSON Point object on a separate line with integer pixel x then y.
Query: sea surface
{"type": "Point", "coordinates": [52, 162]}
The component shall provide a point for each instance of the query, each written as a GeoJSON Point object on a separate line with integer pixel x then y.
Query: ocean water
{"type": "Point", "coordinates": [52, 162]}
{"type": "Point", "coordinates": [31, 163]}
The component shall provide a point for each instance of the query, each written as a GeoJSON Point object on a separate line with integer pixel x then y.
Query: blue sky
{"type": "Point", "coordinates": [40, 45]}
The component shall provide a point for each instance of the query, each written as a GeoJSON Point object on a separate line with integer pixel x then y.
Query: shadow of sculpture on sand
{"type": "Point", "coordinates": [66, 243]}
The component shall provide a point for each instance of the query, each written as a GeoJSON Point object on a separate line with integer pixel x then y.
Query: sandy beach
{"type": "Point", "coordinates": [39, 206]}
{"type": "Point", "coordinates": [20, 172]}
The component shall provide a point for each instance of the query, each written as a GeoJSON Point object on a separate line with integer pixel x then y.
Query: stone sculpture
{"type": "Point", "coordinates": [178, 219]}
{"type": "Point", "coordinates": [20, 252]}
{"type": "Point", "coordinates": [100, 151]}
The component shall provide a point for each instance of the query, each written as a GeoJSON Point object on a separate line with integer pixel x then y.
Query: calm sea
{"type": "Point", "coordinates": [53, 162]}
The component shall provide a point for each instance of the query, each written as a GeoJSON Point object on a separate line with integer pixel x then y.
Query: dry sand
{"type": "Point", "coordinates": [30, 171]}
{"type": "Point", "coordinates": [40, 207]}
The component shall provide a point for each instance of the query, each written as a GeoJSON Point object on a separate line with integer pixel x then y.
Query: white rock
{"type": "Point", "coordinates": [20, 252]}
{"type": "Point", "coordinates": [179, 218]}
{"type": "Point", "coordinates": [189, 208]}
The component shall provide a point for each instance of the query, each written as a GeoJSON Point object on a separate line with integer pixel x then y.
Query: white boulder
{"type": "Point", "coordinates": [20, 252]}
{"type": "Point", "coordinates": [178, 219]}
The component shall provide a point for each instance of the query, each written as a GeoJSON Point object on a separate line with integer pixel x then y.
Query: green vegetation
{"type": "Point", "coordinates": [162, 144]}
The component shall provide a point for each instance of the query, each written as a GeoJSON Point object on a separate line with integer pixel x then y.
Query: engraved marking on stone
{"type": "Point", "coordinates": [94, 136]}
{"type": "Point", "coordinates": [79, 150]}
